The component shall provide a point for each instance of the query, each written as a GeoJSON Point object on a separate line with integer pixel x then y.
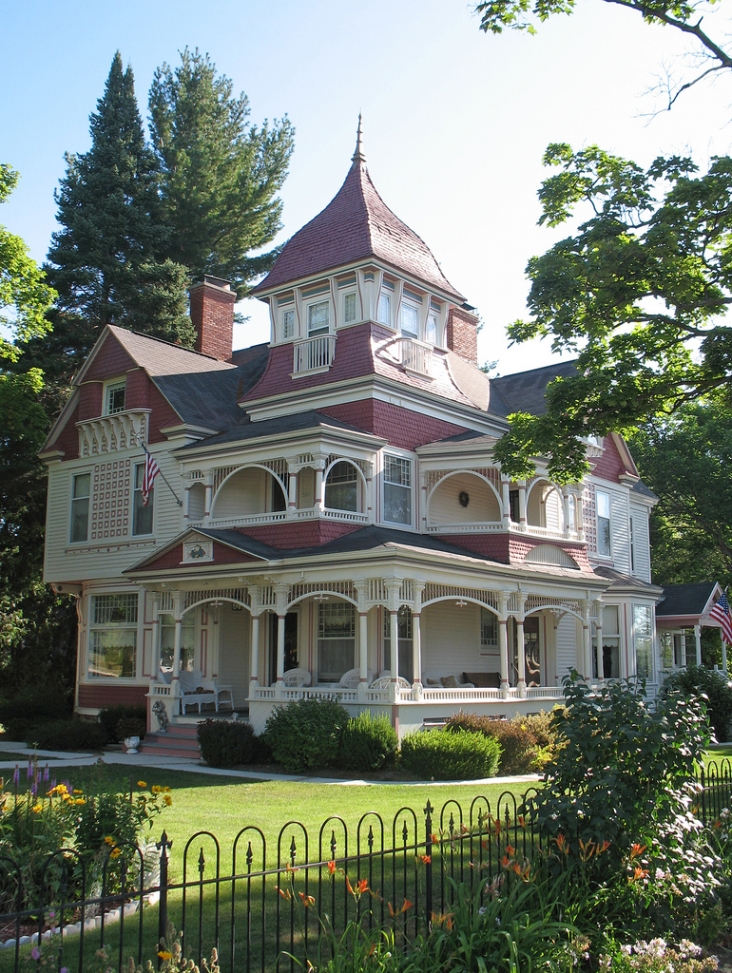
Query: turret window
{"type": "Point", "coordinates": [349, 308]}
{"type": "Point", "coordinates": [319, 318]}
{"type": "Point", "coordinates": [288, 323]}
{"type": "Point", "coordinates": [409, 320]}
{"type": "Point", "coordinates": [384, 315]}
{"type": "Point", "coordinates": [397, 490]}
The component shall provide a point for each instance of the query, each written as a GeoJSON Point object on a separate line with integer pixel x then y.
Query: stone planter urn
{"type": "Point", "coordinates": [131, 744]}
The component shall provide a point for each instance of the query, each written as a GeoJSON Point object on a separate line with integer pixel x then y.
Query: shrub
{"type": "Point", "coordinates": [450, 755]}
{"type": "Point", "coordinates": [226, 743]}
{"type": "Point", "coordinates": [518, 744]}
{"type": "Point", "coordinates": [110, 716]}
{"type": "Point", "coordinates": [130, 726]}
{"type": "Point", "coordinates": [306, 734]}
{"type": "Point", "coordinates": [368, 743]}
{"type": "Point", "coordinates": [41, 705]}
{"type": "Point", "coordinates": [67, 735]}
{"type": "Point", "coordinates": [712, 688]}
{"type": "Point", "coordinates": [542, 726]}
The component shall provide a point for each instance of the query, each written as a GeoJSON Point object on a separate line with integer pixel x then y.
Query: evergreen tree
{"type": "Point", "coordinates": [219, 173]}
{"type": "Point", "coordinates": [101, 261]}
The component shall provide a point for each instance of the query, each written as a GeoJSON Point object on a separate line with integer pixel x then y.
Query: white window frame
{"type": "Point", "coordinates": [408, 306]}
{"type": "Point", "coordinates": [113, 616]}
{"type": "Point", "coordinates": [432, 316]}
{"type": "Point", "coordinates": [288, 323]}
{"type": "Point", "coordinates": [346, 300]}
{"type": "Point", "coordinates": [138, 507]}
{"type": "Point", "coordinates": [314, 332]}
{"type": "Point", "coordinates": [383, 310]}
{"type": "Point", "coordinates": [403, 462]}
{"type": "Point", "coordinates": [111, 390]}
{"type": "Point", "coordinates": [342, 472]}
{"type": "Point", "coordinates": [488, 631]}
{"type": "Point", "coordinates": [604, 524]}
{"type": "Point", "coordinates": [643, 640]}
{"type": "Point", "coordinates": [336, 608]}
{"type": "Point", "coordinates": [82, 502]}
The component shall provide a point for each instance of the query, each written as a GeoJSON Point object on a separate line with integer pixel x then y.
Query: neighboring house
{"type": "Point", "coordinates": [680, 615]}
{"type": "Point", "coordinates": [340, 510]}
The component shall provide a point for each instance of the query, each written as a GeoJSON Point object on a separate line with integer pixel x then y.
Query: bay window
{"type": "Point", "coordinates": [113, 636]}
{"type": "Point", "coordinates": [397, 490]}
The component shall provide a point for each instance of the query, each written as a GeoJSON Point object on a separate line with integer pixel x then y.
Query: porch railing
{"type": "Point", "coordinates": [314, 353]}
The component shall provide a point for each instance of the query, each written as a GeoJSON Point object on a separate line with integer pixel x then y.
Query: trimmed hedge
{"type": "Point", "coordinates": [226, 743]}
{"type": "Point", "coordinates": [450, 755]}
{"type": "Point", "coordinates": [518, 745]}
{"type": "Point", "coordinates": [67, 735]}
{"type": "Point", "coordinates": [110, 716]}
{"type": "Point", "coordinates": [368, 743]}
{"type": "Point", "coordinates": [306, 734]}
{"type": "Point", "coordinates": [37, 704]}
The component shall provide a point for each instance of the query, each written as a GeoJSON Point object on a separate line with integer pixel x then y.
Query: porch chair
{"type": "Point", "coordinates": [349, 680]}
{"type": "Point", "coordinates": [197, 690]}
{"type": "Point", "coordinates": [295, 678]}
{"type": "Point", "coordinates": [384, 681]}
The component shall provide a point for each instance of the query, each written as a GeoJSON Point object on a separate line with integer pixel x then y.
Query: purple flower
{"type": "Point", "coordinates": [29, 771]}
{"type": "Point", "coordinates": [36, 953]}
{"type": "Point", "coordinates": [46, 773]}
{"type": "Point", "coordinates": [34, 788]}
{"type": "Point", "coordinates": [16, 775]}
{"type": "Point", "coordinates": [53, 784]}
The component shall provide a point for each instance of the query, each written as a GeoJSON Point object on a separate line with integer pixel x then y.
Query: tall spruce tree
{"type": "Point", "coordinates": [219, 173]}
{"type": "Point", "coordinates": [112, 247]}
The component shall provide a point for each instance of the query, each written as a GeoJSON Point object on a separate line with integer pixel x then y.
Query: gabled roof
{"type": "Point", "coordinates": [356, 225]}
{"type": "Point", "coordinates": [687, 600]}
{"type": "Point", "coordinates": [526, 391]}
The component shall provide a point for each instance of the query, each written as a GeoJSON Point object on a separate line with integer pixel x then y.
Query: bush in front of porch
{"type": "Point", "coordinates": [450, 755]}
{"type": "Point", "coordinates": [306, 735]}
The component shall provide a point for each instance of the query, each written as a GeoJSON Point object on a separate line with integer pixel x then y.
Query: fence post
{"type": "Point", "coordinates": [428, 865]}
{"type": "Point", "coordinates": [162, 847]}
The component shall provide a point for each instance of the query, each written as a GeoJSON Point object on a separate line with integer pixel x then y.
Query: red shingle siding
{"type": "Point", "coordinates": [400, 427]}
{"type": "Point", "coordinates": [309, 533]}
{"type": "Point", "coordinates": [111, 361]}
{"type": "Point", "coordinates": [90, 401]}
{"type": "Point", "coordinates": [137, 393]}
{"type": "Point", "coordinates": [610, 465]}
{"type": "Point", "coordinates": [212, 315]}
{"type": "Point", "coordinates": [97, 697]}
{"type": "Point", "coordinates": [162, 415]}
{"type": "Point", "coordinates": [462, 334]}
{"type": "Point", "coordinates": [495, 546]}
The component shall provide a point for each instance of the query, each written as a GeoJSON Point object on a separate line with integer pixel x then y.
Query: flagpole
{"type": "Point", "coordinates": [165, 479]}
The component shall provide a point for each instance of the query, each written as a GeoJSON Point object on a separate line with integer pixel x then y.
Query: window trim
{"type": "Point", "coordinates": [387, 457]}
{"type": "Point", "coordinates": [285, 313]}
{"type": "Point", "coordinates": [137, 495]}
{"type": "Point", "coordinates": [74, 500]}
{"type": "Point", "coordinates": [409, 305]}
{"type": "Point", "coordinates": [386, 298]}
{"type": "Point", "coordinates": [323, 330]}
{"type": "Point", "coordinates": [122, 625]}
{"type": "Point", "coordinates": [600, 519]}
{"type": "Point", "coordinates": [345, 297]}
{"type": "Point", "coordinates": [114, 385]}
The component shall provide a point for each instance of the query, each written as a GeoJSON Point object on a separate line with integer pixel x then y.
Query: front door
{"type": "Point", "coordinates": [291, 661]}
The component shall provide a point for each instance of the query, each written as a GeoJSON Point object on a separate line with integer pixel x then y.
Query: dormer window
{"type": "Point", "coordinates": [319, 318]}
{"type": "Point", "coordinates": [114, 397]}
{"type": "Point", "coordinates": [409, 320]}
{"type": "Point", "coordinates": [288, 323]}
{"type": "Point", "coordinates": [349, 308]}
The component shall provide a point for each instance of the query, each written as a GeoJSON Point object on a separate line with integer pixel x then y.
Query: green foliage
{"type": "Point", "coordinates": [23, 288]}
{"type": "Point", "coordinates": [306, 734]}
{"type": "Point", "coordinates": [40, 704]}
{"type": "Point", "coordinates": [518, 745]}
{"type": "Point", "coordinates": [66, 735]}
{"type": "Point", "coordinates": [655, 957]}
{"type": "Point", "coordinates": [130, 726]}
{"type": "Point", "coordinates": [622, 768]}
{"type": "Point", "coordinates": [110, 716]}
{"type": "Point", "coordinates": [712, 689]}
{"type": "Point", "coordinates": [219, 174]}
{"type": "Point", "coordinates": [447, 755]}
{"type": "Point", "coordinates": [226, 743]}
{"type": "Point", "coordinates": [368, 743]}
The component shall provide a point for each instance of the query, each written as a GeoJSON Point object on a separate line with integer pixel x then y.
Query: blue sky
{"type": "Point", "coordinates": [455, 122]}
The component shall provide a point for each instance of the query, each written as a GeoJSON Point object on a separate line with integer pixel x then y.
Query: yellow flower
{"type": "Point", "coordinates": [80, 800]}
{"type": "Point", "coordinates": [37, 808]}
{"type": "Point", "coordinates": [77, 791]}
{"type": "Point", "coordinates": [156, 789]}
{"type": "Point", "coordinates": [164, 954]}
{"type": "Point", "coordinates": [167, 799]}
{"type": "Point", "coordinates": [115, 853]}
{"type": "Point", "coordinates": [141, 783]}
{"type": "Point", "coordinates": [109, 840]}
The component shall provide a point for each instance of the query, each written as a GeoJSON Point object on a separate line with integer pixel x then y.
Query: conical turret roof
{"type": "Point", "coordinates": [356, 225]}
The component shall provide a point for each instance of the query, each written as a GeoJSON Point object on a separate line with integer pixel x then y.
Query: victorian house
{"type": "Point", "coordinates": [328, 517]}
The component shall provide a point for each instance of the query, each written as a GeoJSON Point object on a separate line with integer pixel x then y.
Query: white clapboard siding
{"type": "Point", "coordinates": [641, 542]}
{"type": "Point", "coordinates": [451, 638]}
{"type": "Point", "coordinates": [242, 495]}
{"type": "Point", "coordinates": [445, 506]}
{"type": "Point", "coordinates": [233, 656]}
{"type": "Point", "coordinates": [620, 531]}
{"type": "Point", "coordinates": [544, 507]}
{"type": "Point", "coordinates": [568, 638]}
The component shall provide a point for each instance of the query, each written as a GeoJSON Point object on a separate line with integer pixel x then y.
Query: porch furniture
{"type": "Point", "coordinates": [443, 679]}
{"type": "Point", "coordinates": [197, 690]}
{"type": "Point", "coordinates": [294, 678]}
{"type": "Point", "coordinates": [349, 680]}
{"type": "Point", "coordinates": [483, 680]}
{"type": "Point", "coordinates": [384, 681]}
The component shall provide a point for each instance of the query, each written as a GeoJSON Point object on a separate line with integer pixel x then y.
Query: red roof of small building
{"type": "Point", "coordinates": [356, 225]}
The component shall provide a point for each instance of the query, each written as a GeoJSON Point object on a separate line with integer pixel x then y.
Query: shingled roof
{"type": "Point", "coordinates": [356, 225]}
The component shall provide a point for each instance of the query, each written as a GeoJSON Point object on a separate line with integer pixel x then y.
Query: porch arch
{"type": "Point", "coordinates": [359, 499]}
{"type": "Point", "coordinates": [244, 492]}
{"type": "Point", "coordinates": [463, 496]}
{"type": "Point", "coordinates": [544, 505]}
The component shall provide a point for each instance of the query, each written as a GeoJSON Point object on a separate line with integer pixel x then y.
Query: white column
{"type": "Point", "coordinates": [503, 638]}
{"type": "Point", "coordinates": [506, 501]}
{"type": "Point", "coordinates": [208, 495]}
{"type": "Point", "coordinates": [417, 589]}
{"type": "Point", "coordinates": [565, 511]}
{"type": "Point", "coordinates": [363, 649]}
{"type": "Point", "coordinates": [522, 505]}
{"type": "Point", "coordinates": [254, 654]}
{"type": "Point", "coordinates": [280, 649]}
{"type": "Point", "coordinates": [187, 502]}
{"type": "Point", "coordinates": [697, 641]}
{"type": "Point", "coordinates": [319, 469]}
{"type": "Point", "coordinates": [177, 639]}
{"type": "Point", "coordinates": [579, 515]}
{"type": "Point", "coordinates": [394, 638]}
{"type": "Point", "coordinates": [586, 642]}
{"type": "Point", "coordinates": [155, 662]}
{"type": "Point", "coordinates": [683, 650]}
{"type": "Point", "coordinates": [291, 490]}
{"type": "Point", "coordinates": [369, 498]}
{"type": "Point", "coordinates": [521, 649]}
{"type": "Point", "coordinates": [599, 653]}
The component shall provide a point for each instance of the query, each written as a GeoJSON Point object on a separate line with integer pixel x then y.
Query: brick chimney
{"type": "Point", "coordinates": [212, 315]}
{"type": "Point", "coordinates": [462, 333]}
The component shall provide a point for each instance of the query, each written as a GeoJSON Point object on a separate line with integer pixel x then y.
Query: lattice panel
{"type": "Point", "coordinates": [220, 475]}
{"type": "Point", "coordinates": [212, 594]}
{"type": "Point", "coordinates": [337, 587]}
{"type": "Point", "coordinates": [110, 513]}
{"type": "Point", "coordinates": [589, 516]}
{"type": "Point", "coordinates": [434, 591]}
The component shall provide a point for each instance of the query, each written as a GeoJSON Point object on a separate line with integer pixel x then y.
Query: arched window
{"type": "Point", "coordinates": [341, 487]}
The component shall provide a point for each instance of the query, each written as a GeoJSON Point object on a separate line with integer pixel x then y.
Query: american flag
{"type": "Point", "coordinates": [148, 479]}
{"type": "Point", "coordinates": [721, 614]}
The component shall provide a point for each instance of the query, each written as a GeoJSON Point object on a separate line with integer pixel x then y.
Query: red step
{"type": "Point", "coordinates": [177, 741]}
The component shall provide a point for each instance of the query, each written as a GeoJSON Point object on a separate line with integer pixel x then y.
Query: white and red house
{"type": "Point", "coordinates": [329, 502]}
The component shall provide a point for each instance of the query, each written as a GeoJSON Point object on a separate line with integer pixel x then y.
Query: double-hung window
{"type": "Point", "coordinates": [602, 500]}
{"type": "Point", "coordinates": [288, 323]}
{"type": "Point", "coordinates": [397, 490]}
{"type": "Point", "coordinates": [430, 333]}
{"type": "Point", "coordinates": [318, 318]}
{"type": "Point", "coordinates": [336, 640]}
{"type": "Point", "coordinates": [341, 487]}
{"type": "Point", "coordinates": [488, 631]}
{"type": "Point", "coordinates": [80, 493]}
{"type": "Point", "coordinates": [384, 310]}
{"type": "Point", "coordinates": [142, 515]}
{"type": "Point", "coordinates": [409, 320]}
{"type": "Point", "coordinates": [113, 637]}
{"type": "Point", "coordinates": [349, 308]}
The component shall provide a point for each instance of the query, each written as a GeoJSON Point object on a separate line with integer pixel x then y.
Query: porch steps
{"type": "Point", "coordinates": [177, 741]}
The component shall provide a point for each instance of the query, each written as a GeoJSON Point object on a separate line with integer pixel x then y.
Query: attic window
{"type": "Point", "coordinates": [114, 397]}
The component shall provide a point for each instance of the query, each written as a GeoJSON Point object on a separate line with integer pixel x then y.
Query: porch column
{"type": "Point", "coordinates": [291, 488]}
{"type": "Point", "coordinates": [521, 648]}
{"type": "Point", "coordinates": [208, 495]}
{"type": "Point", "coordinates": [565, 511]}
{"type": "Point", "coordinates": [579, 516]}
{"type": "Point", "coordinates": [178, 633]}
{"type": "Point", "coordinates": [598, 651]}
{"type": "Point", "coordinates": [281, 592]}
{"type": "Point", "coordinates": [319, 470]}
{"type": "Point", "coordinates": [369, 498]}
{"type": "Point", "coordinates": [683, 650]}
{"type": "Point", "coordinates": [361, 589]}
{"type": "Point", "coordinates": [506, 500]}
{"type": "Point", "coordinates": [503, 639]}
{"type": "Point", "coordinates": [187, 502]}
{"type": "Point", "coordinates": [522, 505]}
{"type": "Point", "coordinates": [393, 587]}
{"type": "Point", "coordinates": [697, 642]}
{"type": "Point", "coordinates": [155, 661]}
{"type": "Point", "coordinates": [417, 589]}
{"type": "Point", "coordinates": [254, 654]}
{"type": "Point", "coordinates": [586, 642]}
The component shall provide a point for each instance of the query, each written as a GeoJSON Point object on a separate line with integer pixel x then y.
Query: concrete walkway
{"type": "Point", "coordinates": [12, 754]}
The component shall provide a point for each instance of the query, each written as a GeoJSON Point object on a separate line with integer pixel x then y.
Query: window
{"type": "Point", "coordinates": [319, 318]}
{"type": "Point", "coordinates": [610, 643]}
{"type": "Point", "coordinates": [114, 398]}
{"type": "Point", "coordinates": [404, 635]}
{"type": "Point", "coordinates": [341, 487]}
{"type": "Point", "coordinates": [80, 492]}
{"type": "Point", "coordinates": [488, 631]}
{"type": "Point", "coordinates": [336, 640]}
{"type": "Point", "coordinates": [409, 320]}
{"type": "Point", "coordinates": [384, 315]}
{"type": "Point", "coordinates": [643, 641]}
{"type": "Point", "coordinates": [603, 522]}
{"type": "Point", "coordinates": [349, 308]}
{"type": "Point", "coordinates": [288, 323]}
{"type": "Point", "coordinates": [397, 490]}
{"type": "Point", "coordinates": [513, 506]}
{"type": "Point", "coordinates": [113, 637]}
{"type": "Point", "coordinates": [632, 546]}
{"type": "Point", "coordinates": [142, 516]}
{"type": "Point", "coordinates": [187, 641]}
{"type": "Point", "coordinates": [431, 329]}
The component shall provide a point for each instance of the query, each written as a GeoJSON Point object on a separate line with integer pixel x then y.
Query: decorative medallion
{"type": "Point", "coordinates": [199, 550]}
{"type": "Point", "coordinates": [464, 498]}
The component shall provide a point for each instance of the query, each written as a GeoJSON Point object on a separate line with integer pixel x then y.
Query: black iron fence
{"type": "Point", "coordinates": [263, 904]}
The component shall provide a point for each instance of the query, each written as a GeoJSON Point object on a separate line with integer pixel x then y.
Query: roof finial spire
{"type": "Point", "coordinates": [358, 155]}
